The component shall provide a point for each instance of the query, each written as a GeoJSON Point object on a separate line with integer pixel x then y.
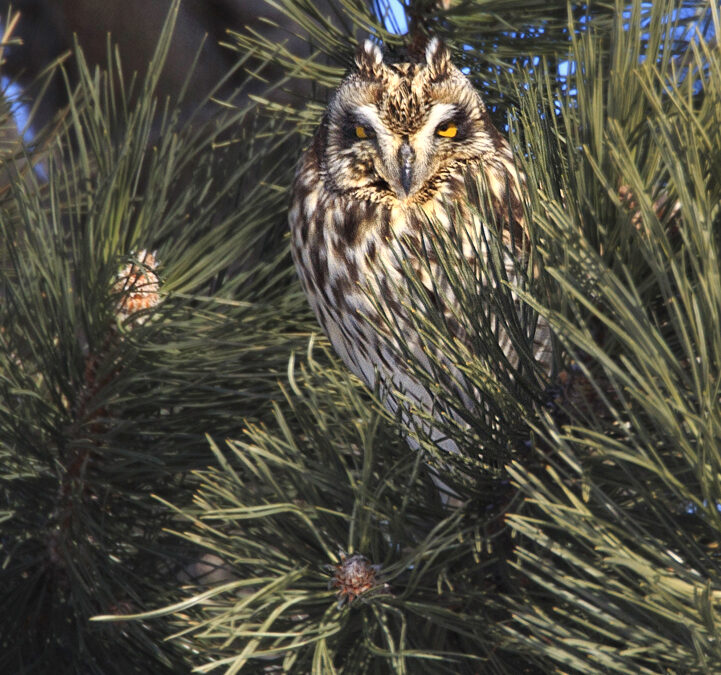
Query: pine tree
{"type": "Point", "coordinates": [168, 405]}
{"type": "Point", "coordinates": [136, 239]}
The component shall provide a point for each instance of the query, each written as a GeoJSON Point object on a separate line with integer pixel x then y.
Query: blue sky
{"type": "Point", "coordinates": [396, 21]}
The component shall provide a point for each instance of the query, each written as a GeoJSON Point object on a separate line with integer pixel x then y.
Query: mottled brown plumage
{"type": "Point", "coordinates": [398, 144]}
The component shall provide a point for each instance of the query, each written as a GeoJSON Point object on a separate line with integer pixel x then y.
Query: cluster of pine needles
{"type": "Point", "coordinates": [190, 479]}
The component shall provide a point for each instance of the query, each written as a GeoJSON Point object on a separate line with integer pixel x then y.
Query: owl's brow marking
{"type": "Point", "coordinates": [440, 112]}
{"type": "Point", "coordinates": [368, 114]}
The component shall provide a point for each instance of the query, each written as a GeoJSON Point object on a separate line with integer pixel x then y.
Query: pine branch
{"type": "Point", "coordinates": [114, 363]}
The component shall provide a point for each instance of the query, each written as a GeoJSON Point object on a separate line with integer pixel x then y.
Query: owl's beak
{"type": "Point", "coordinates": [406, 155]}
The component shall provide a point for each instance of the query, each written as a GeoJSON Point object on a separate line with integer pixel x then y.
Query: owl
{"type": "Point", "coordinates": [399, 144]}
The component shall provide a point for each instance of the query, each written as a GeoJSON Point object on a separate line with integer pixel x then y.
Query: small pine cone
{"type": "Point", "coordinates": [137, 287]}
{"type": "Point", "coordinates": [353, 576]}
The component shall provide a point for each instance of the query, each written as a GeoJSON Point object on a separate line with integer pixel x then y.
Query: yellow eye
{"type": "Point", "coordinates": [448, 130]}
{"type": "Point", "coordinates": [361, 132]}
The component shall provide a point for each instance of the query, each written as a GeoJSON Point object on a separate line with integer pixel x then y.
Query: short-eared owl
{"type": "Point", "coordinates": [399, 145]}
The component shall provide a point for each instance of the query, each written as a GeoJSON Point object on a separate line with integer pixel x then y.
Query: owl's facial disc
{"type": "Point", "coordinates": [395, 130]}
{"type": "Point", "coordinates": [401, 157]}
{"type": "Point", "coordinates": [418, 153]}
{"type": "Point", "coordinates": [439, 137]}
{"type": "Point", "coordinates": [371, 146]}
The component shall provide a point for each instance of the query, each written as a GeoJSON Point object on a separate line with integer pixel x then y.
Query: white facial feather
{"type": "Point", "coordinates": [368, 116]}
{"type": "Point", "coordinates": [440, 112]}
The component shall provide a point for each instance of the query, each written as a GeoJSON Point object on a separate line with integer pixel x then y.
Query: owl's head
{"type": "Point", "coordinates": [397, 129]}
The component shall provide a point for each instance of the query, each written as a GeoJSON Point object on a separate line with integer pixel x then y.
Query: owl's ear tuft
{"type": "Point", "coordinates": [438, 57]}
{"type": "Point", "coordinates": [369, 59]}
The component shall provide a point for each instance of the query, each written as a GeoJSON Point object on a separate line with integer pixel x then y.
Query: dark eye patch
{"type": "Point", "coordinates": [356, 130]}
{"type": "Point", "coordinates": [456, 126]}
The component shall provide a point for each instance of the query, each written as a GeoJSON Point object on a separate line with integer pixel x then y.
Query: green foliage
{"type": "Point", "coordinates": [621, 528]}
{"type": "Point", "coordinates": [587, 537]}
{"type": "Point", "coordinates": [98, 411]}
{"type": "Point", "coordinates": [331, 475]}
